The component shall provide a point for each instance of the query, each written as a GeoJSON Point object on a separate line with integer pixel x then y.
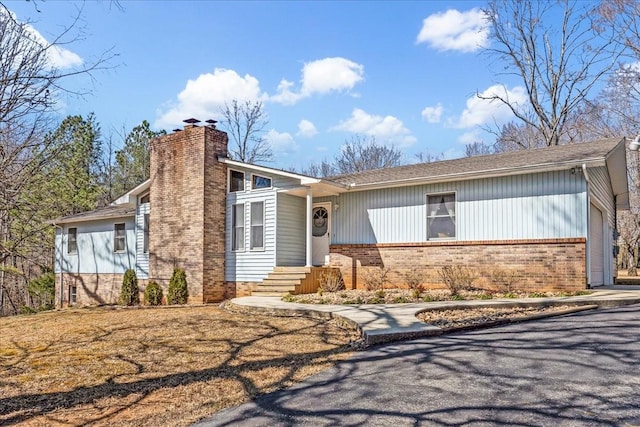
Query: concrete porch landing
{"type": "Point", "coordinates": [392, 322]}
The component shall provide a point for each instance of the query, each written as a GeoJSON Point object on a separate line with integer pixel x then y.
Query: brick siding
{"type": "Point", "coordinates": [187, 213]}
{"type": "Point", "coordinates": [538, 265]}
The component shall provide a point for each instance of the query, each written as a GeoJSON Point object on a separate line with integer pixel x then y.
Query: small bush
{"type": "Point", "coordinates": [129, 293]}
{"type": "Point", "coordinates": [485, 296]}
{"type": "Point", "coordinates": [288, 298]}
{"type": "Point", "coordinates": [153, 294]}
{"type": "Point", "coordinates": [331, 281]}
{"type": "Point", "coordinates": [178, 293]}
{"type": "Point", "coordinates": [375, 278]}
{"type": "Point", "coordinates": [414, 280]}
{"type": "Point", "coordinates": [503, 280]}
{"type": "Point", "coordinates": [456, 278]}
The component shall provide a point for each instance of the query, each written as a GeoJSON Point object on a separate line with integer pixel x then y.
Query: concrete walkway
{"type": "Point", "coordinates": [392, 322]}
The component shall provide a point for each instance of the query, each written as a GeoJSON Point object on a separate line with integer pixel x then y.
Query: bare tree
{"type": "Point", "coordinates": [361, 154]}
{"type": "Point", "coordinates": [358, 154]}
{"type": "Point", "coordinates": [426, 157]}
{"type": "Point", "coordinates": [245, 122]}
{"type": "Point", "coordinates": [30, 86]}
{"type": "Point", "coordinates": [559, 55]}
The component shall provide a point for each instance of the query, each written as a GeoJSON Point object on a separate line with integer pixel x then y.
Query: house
{"type": "Point", "coordinates": [546, 217]}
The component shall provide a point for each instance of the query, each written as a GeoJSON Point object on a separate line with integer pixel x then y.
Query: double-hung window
{"type": "Point", "coordinates": [441, 216]}
{"type": "Point", "coordinates": [72, 240]}
{"type": "Point", "coordinates": [237, 227]}
{"type": "Point", "coordinates": [119, 238]}
{"type": "Point", "coordinates": [257, 226]}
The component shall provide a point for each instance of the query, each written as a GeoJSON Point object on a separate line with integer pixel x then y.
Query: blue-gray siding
{"type": "Point", "coordinates": [535, 206]}
{"type": "Point", "coordinates": [95, 248]}
{"type": "Point", "coordinates": [290, 249]}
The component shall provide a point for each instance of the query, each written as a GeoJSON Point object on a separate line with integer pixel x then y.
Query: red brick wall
{"type": "Point", "coordinates": [187, 213]}
{"type": "Point", "coordinates": [538, 265]}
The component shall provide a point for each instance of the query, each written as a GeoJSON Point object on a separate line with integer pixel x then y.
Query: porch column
{"type": "Point", "coordinates": [309, 261]}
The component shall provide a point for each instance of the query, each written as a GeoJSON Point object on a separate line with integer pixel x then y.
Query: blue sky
{"type": "Point", "coordinates": [403, 72]}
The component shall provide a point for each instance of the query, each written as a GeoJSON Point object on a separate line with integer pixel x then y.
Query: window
{"type": "Point", "coordinates": [441, 216]}
{"type": "Point", "coordinates": [237, 225]}
{"type": "Point", "coordinates": [236, 181]}
{"type": "Point", "coordinates": [119, 235]}
{"type": "Point", "coordinates": [72, 241]}
{"type": "Point", "coordinates": [258, 182]}
{"type": "Point", "coordinates": [257, 225]}
{"type": "Point", "coordinates": [145, 199]}
{"type": "Point", "coordinates": [73, 294]}
{"type": "Point", "coordinates": [145, 242]}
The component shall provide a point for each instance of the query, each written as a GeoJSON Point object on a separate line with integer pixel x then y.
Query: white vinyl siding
{"type": "Point", "coordinates": [255, 265]}
{"type": "Point", "coordinates": [142, 236]}
{"type": "Point", "coordinates": [534, 206]}
{"type": "Point", "coordinates": [291, 244]}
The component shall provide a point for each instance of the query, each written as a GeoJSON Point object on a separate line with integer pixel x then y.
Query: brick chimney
{"type": "Point", "coordinates": [187, 213]}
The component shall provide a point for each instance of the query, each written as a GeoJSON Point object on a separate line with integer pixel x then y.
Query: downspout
{"type": "Point", "coordinates": [588, 245]}
{"type": "Point", "coordinates": [54, 262]}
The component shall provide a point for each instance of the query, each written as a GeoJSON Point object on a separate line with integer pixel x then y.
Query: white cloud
{"type": "Point", "coordinates": [321, 77]}
{"type": "Point", "coordinates": [482, 111]}
{"type": "Point", "coordinates": [306, 129]}
{"type": "Point", "coordinates": [281, 143]}
{"type": "Point", "coordinates": [57, 56]}
{"type": "Point", "coordinates": [203, 97]}
{"type": "Point", "coordinates": [470, 137]}
{"type": "Point", "coordinates": [454, 30]}
{"type": "Point", "coordinates": [388, 129]}
{"type": "Point", "coordinates": [432, 114]}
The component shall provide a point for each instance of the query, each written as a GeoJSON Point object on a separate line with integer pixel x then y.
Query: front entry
{"type": "Point", "coordinates": [321, 232]}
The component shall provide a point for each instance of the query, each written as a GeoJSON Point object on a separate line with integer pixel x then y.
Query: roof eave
{"type": "Point", "coordinates": [493, 173]}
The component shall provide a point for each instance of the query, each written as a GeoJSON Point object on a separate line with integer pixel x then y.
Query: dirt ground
{"type": "Point", "coordinates": [161, 366]}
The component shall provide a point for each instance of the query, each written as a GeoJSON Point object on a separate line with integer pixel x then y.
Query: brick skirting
{"type": "Point", "coordinates": [538, 265]}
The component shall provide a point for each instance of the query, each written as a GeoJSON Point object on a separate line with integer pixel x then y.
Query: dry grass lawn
{"type": "Point", "coordinates": [163, 366]}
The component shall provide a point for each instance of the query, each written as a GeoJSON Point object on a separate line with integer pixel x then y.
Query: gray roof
{"type": "Point", "coordinates": [108, 212]}
{"type": "Point", "coordinates": [483, 165]}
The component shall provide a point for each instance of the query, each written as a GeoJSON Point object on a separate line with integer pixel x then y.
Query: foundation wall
{"type": "Point", "coordinates": [536, 265]}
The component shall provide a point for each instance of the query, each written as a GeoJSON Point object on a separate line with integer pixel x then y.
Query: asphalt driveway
{"type": "Point", "coordinates": [576, 370]}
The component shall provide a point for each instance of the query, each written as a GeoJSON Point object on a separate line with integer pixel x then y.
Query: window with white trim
{"type": "Point", "coordinates": [441, 216]}
{"type": "Point", "coordinates": [72, 241]}
{"type": "Point", "coordinates": [237, 227]}
{"type": "Point", "coordinates": [258, 182]}
{"type": "Point", "coordinates": [257, 226]}
{"type": "Point", "coordinates": [119, 238]}
{"type": "Point", "coordinates": [236, 181]}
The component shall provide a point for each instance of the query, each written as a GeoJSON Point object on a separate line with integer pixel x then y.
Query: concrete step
{"type": "Point", "coordinates": [258, 293]}
{"type": "Point", "coordinates": [285, 282]}
{"type": "Point", "coordinates": [275, 288]}
{"type": "Point", "coordinates": [286, 276]}
{"type": "Point", "coordinates": [298, 270]}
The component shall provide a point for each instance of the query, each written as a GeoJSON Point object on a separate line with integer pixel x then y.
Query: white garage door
{"type": "Point", "coordinates": [597, 247]}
